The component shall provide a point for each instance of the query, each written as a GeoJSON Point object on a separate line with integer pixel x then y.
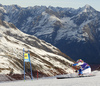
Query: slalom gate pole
{"type": "Point", "coordinates": [37, 74]}
{"type": "Point", "coordinates": [24, 63]}
{"type": "Point", "coordinates": [30, 66]}
{"type": "Point", "coordinates": [73, 68]}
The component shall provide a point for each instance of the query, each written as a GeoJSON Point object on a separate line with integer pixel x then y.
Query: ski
{"type": "Point", "coordinates": [75, 77]}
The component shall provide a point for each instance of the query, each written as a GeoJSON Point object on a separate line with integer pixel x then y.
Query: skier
{"type": "Point", "coordinates": [85, 68]}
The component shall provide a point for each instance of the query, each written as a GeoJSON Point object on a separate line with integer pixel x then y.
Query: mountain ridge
{"type": "Point", "coordinates": [65, 28]}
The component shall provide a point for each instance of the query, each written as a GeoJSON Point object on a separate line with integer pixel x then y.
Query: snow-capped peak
{"type": "Point", "coordinates": [2, 9]}
{"type": "Point", "coordinates": [87, 8]}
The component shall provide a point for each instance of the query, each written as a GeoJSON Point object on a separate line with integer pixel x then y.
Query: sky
{"type": "Point", "coordinates": [56, 3]}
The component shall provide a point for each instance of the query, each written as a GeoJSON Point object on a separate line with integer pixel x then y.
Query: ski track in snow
{"type": "Point", "coordinates": [52, 81]}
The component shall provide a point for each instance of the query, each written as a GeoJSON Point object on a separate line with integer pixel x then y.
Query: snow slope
{"type": "Point", "coordinates": [45, 58]}
{"type": "Point", "coordinates": [86, 81]}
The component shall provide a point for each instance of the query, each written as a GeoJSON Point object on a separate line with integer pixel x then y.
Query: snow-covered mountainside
{"type": "Point", "coordinates": [74, 31]}
{"type": "Point", "coordinates": [45, 58]}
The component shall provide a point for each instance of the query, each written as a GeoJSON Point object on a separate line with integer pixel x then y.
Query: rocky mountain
{"type": "Point", "coordinates": [74, 31]}
{"type": "Point", "coordinates": [45, 58]}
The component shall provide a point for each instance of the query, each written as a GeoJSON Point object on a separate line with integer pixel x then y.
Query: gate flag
{"type": "Point", "coordinates": [26, 57]}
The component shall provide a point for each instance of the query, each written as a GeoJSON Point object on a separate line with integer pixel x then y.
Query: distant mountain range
{"type": "Point", "coordinates": [76, 32]}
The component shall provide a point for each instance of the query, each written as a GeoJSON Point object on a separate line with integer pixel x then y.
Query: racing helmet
{"type": "Point", "coordinates": [79, 60]}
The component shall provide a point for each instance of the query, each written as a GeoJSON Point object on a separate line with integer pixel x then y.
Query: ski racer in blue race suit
{"type": "Point", "coordinates": [85, 68]}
